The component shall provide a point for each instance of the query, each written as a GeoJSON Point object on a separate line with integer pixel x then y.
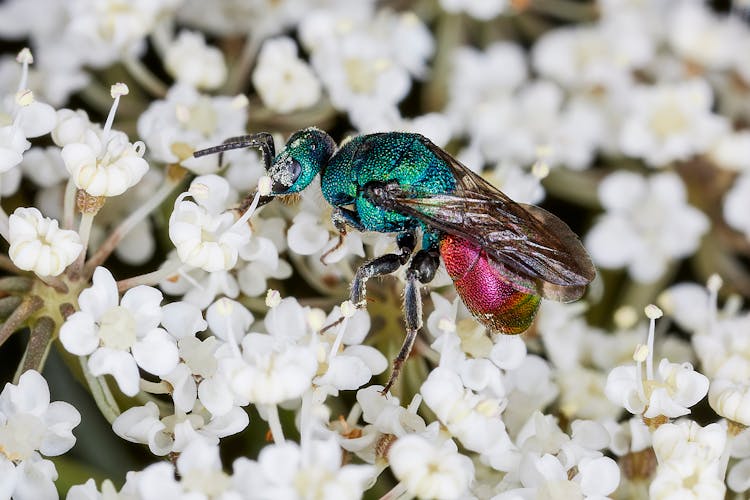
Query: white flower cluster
{"type": "Point", "coordinates": [632, 116]}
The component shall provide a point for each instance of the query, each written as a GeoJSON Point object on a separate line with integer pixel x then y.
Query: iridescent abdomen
{"type": "Point", "coordinates": [490, 297]}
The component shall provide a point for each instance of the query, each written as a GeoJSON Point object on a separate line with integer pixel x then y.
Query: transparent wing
{"type": "Point", "coordinates": [532, 248]}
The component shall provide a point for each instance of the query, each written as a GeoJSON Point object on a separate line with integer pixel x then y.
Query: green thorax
{"type": "Point", "coordinates": [392, 156]}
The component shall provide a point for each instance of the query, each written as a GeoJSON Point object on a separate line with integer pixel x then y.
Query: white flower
{"type": "Point", "coordinates": [429, 468]}
{"type": "Point", "coordinates": [307, 234]}
{"type": "Point", "coordinates": [119, 336]}
{"type": "Point", "coordinates": [670, 122]}
{"type": "Point", "coordinates": [38, 244]}
{"type": "Point", "coordinates": [353, 364]}
{"type": "Point", "coordinates": [88, 491]}
{"type": "Point", "coordinates": [271, 371]}
{"type": "Point", "coordinates": [729, 394]}
{"type": "Point", "coordinates": [548, 478]}
{"type": "Point", "coordinates": [676, 388]}
{"type": "Point", "coordinates": [313, 471]}
{"type": "Point", "coordinates": [104, 163]}
{"type": "Point", "coordinates": [108, 28]}
{"type": "Point", "coordinates": [72, 127]}
{"type": "Point", "coordinates": [44, 166]}
{"type": "Point", "coordinates": [284, 82]}
{"type": "Point", "coordinates": [482, 76]}
{"type": "Point", "coordinates": [687, 477]}
{"type": "Point", "coordinates": [703, 38]}
{"type": "Point", "coordinates": [239, 18]}
{"type": "Point", "coordinates": [730, 151]}
{"type": "Point", "coordinates": [197, 286]}
{"type": "Point", "coordinates": [186, 121]}
{"type": "Point", "coordinates": [205, 234]}
{"type": "Point", "coordinates": [174, 433]}
{"type": "Point", "coordinates": [473, 419]}
{"type": "Point", "coordinates": [359, 56]}
{"type": "Point", "coordinates": [648, 222]}
{"type": "Point", "coordinates": [386, 413]}
{"type": "Point", "coordinates": [105, 168]}
{"type": "Point", "coordinates": [273, 367]}
{"type": "Point", "coordinates": [686, 438]}
{"type": "Point", "coordinates": [736, 206]}
{"type": "Point", "coordinates": [479, 9]}
{"type": "Point", "coordinates": [197, 473]}
{"type": "Point", "coordinates": [189, 60]}
{"type": "Point", "coordinates": [27, 118]}
{"type": "Point", "coordinates": [592, 55]}
{"type": "Point", "coordinates": [30, 425]}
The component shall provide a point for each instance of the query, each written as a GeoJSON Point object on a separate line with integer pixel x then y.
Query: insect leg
{"type": "Point", "coordinates": [342, 217]}
{"type": "Point", "coordinates": [421, 270]}
{"type": "Point", "coordinates": [380, 266]}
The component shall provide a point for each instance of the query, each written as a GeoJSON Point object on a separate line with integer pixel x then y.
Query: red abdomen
{"type": "Point", "coordinates": [490, 297]}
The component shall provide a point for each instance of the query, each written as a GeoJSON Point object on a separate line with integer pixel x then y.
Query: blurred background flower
{"type": "Point", "coordinates": [628, 119]}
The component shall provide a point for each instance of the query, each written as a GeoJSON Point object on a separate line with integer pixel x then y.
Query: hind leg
{"type": "Point", "coordinates": [422, 269]}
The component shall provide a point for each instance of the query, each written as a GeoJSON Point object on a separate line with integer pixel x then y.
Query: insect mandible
{"type": "Point", "coordinates": [502, 256]}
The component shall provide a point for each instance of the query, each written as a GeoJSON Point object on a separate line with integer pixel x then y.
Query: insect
{"type": "Point", "coordinates": [503, 256]}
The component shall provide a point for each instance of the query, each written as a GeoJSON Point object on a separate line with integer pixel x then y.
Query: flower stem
{"type": "Point", "coordinates": [8, 305]}
{"type": "Point", "coordinates": [69, 203]}
{"type": "Point", "coordinates": [171, 267]}
{"type": "Point", "coordinates": [103, 397]}
{"type": "Point", "coordinates": [15, 284]}
{"type": "Point", "coordinates": [155, 387]}
{"type": "Point", "coordinates": [395, 492]}
{"type": "Point", "coordinates": [4, 225]}
{"type": "Point", "coordinates": [84, 233]}
{"type": "Point", "coordinates": [238, 77]}
{"type": "Point", "coordinates": [29, 305]}
{"type": "Point", "coordinates": [37, 349]}
{"type": "Point", "coordinates": [106, 249]}
{"type": "Point", "coordinates": [275, 424]}
{"type": "Point", "coordinates": [144, 76]}
{"type": "Point", "coordinates": [7, 265]}
{"type": "Point", "coordinates": [564, 9]}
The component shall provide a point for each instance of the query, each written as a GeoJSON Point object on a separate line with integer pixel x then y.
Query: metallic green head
{"type": "Point", "coordinates": [305, 154]}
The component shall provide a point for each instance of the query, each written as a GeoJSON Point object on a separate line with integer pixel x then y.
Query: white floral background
{"type": "Point", "coordinates": [158, 343]}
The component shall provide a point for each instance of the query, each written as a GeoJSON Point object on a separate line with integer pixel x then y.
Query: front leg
{"type": "Point", "coordinates": [342, 217]}
{"type": "Point", "coordinates": [380, 266]}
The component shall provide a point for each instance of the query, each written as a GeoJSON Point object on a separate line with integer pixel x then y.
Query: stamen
{"type": "Point", "coordinates": [116, 90]}
{"type": "Point", "coordinates": [652, 313]}
{"type": "Point", "coordinates": [347, 311]}
{"type": "Point", "coordinates": [641, 354]}
{"type": "Point", "coordinates": [713, 284]}
{"type": "Point", "coordinates": [25, 58]}
{"type": "Point", "coordinates": [273, 298]}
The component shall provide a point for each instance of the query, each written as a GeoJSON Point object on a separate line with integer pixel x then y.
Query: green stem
{"type": "Point", "coordinates": [238, 75]}
{"type": "Point", "coordinates": [573, 186]}
{"type": "Point", "coordinates": [97, 97]}
{"type": "Point", "coordinates": [145, 77]}
{"type": "Point", "coordinates": [103, 397]}
{"type": "Point", "coordinates": [7, 265]}
{"type": "Point", "coordinates": [567, 10]}
{"type": "Point", "coordinates": [171, 267]}
{"type": "Point", "coordinates": [15, 284]}
{"type": "Point", "coordinates": [42, 334]}
{"type": "Point", "coordinates": [8, 305]}
{"type": "Point", "coordinates": [69, 203]}
{"type": "Point", "coordinates": [28, 306]}
{"type": "Point", "coordinates": [449, 35]}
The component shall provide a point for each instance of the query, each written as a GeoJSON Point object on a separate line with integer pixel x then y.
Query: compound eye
{"type": "Point", "coordinates": [284, 175]}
